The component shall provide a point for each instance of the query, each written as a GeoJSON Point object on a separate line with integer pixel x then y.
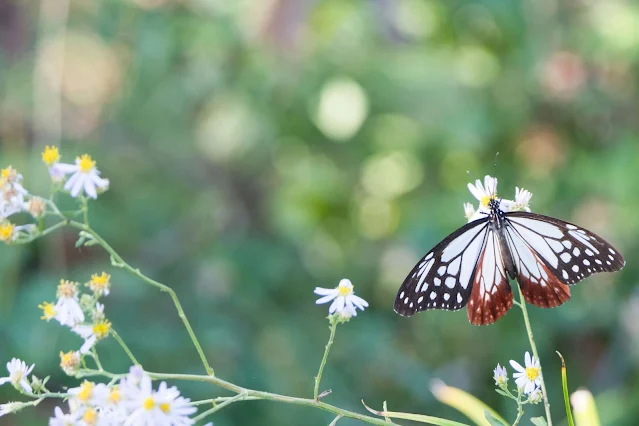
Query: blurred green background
{"type": "Point", "coordinates": [257, 149]}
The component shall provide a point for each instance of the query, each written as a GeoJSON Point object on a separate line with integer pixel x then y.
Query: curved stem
{"type": "Point", "coordinates": [117, 261]}
{"type": "Point", "coordinates": [126, 349]}
{"type": "Point", "coordinates": [327, 349]}
{"type": "Point", "coordinates": [522, 305]}
{"type": "Point", "coordinates": [97, 360]}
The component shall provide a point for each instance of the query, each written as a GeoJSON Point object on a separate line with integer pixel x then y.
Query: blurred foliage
{"type": "Point", "coordinates": [257, 149]}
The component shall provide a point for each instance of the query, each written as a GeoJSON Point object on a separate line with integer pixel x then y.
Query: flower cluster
{"type": "Point", "coordinates": [15, 199]}
{"type": "Point", "coordinates": [527, 378]}
{"type": "Point", "coordinates": [344, 300]}
{"type": "Point", "coordinates": [85, 177]}
{"type": "Point", "coordinates": [71, 310]}
{"type": "Point", "coordinates": [132, 401]}
{"type": "Point", "coordinates": [488, 191]}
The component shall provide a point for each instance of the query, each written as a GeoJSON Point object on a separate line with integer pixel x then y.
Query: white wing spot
{"type": "Point", "coordinates": [446, 296]}
{"type": "Point", "coordinates": [608, 262]}
{"type": "Point", "coordinates": [571, 226]}
{"type": "Point", "coordinates": [589, 252]}
{"type": "Point", "coordinates": [405, 301]}
{"type": "Point", "coordinates": [564, 274]}
{"type": "Point", "coordinates": [411, 305]}
{"type": "Point", "coordinates": [611, 250]}
{"type": "Point", "coordinates": [459, 298]}
{"type": "Point", "coordinates": [437, 282]}
{"type": "Point", "coordinates": [401, 295]}
{"type": "Point", "coordinates": [450, 282]}
{"type": "Point", "coordinates": [611, 257]}
{"type": "Point", "coordinates": [567, 244]}
{"type": "Point", "coordinates": [598, 261]}
{"type": "Point", "coordinates": [565, 257]}
{"type": "Point", "coordinates": [555, 245]}
{"type": "Point", "coordinates": [453, 268]}
{"type": "Point", "coordinates": [576, 252]}
{"type": "Point", "coordinates": [420, 299]}
{"type": "Point", "coordinates": [575, 268]}
{"type": "Point", "coordinates": [441, 270]}
{"type": "Point", "coordinates": [433, 295]}
{"type": "Point", "coordinates": [586, 262]}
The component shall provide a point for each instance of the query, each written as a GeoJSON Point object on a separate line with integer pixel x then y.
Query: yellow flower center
{"type": "Point", "coordinates": [99, 282]}
{"type": "Point", "coordinates": [90, 416]}
{"type": "Point", "coordinates": [114, 395]}
{"type": "Point", "coordinates": [67, 289]}
{"type": "Point", "coordinates": [485, 200]}
{"type": "Point", "coordinates": [101, 329]}
{"type": "Point", "coordinates": [165, 407]}
{"type": "Point", "coordinates": [48, 310]}
{"type": "Point", "coordinates": [50, 155]}
{"type": "Point", "coordinates": [86, 390]}
{"type": "Point", "coordinates": [6, 231]}
{"type": "Point", "coordinates": [532, 373]}
{"type": "Point", "coordinates": [86, 163]}
{"type": "Point", "coordinates": [345, 291]}
{"type": "Point", "coordinates": [69, 361]}
{"type": "Point", "coordinates": [8, 174]}
{"type": "Point", "coordinates": [148, 403]}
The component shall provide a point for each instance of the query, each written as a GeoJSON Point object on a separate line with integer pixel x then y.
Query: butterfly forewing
{"type": "Point", "coordinates": [568, 251]}
{"type": "Point", "coordinates": [442, 278]}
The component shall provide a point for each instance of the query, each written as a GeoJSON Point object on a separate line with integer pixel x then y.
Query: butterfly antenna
{"type": "Point", "coordinates": [495, 170]}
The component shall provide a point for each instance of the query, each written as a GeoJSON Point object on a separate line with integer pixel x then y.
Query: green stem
{"type": "Point", "coordinates": [520, 410]}
{"type": "Point", "coordinates": [327, 349]}
{"type": "Point", "coordinates": [126, 349]}
{"type": "Point", "coordinates": [85, 211]}
{"type": "Point", "coordinates": [218, 407]}
{"type": "Point", "coordinates": [118, 262]}
{"type": "Point", "coordinates": [97, 360]}
{"type": "Point", "coordinates": [254, 394]}
{"type": "Point", "coordinates": [522, 305]}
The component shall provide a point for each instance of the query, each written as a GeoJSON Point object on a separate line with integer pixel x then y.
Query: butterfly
{"type": "Point", "coordinates": [472, 266]}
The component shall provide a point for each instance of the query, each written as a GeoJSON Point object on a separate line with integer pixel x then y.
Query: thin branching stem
{"type": "Point", "coordinates": [327, 349]}
{"type": "Point", "coordinates": [522, 305]}
{"type": "Point", "coordinates": [126, 349]}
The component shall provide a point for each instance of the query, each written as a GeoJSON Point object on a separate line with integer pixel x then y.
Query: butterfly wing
{"type": "Point", "coordinates": [442, 278]}
{"type": "Point", "coordinates": [550, 254]}
{"type": "Point", "coordinates": [491, 296]}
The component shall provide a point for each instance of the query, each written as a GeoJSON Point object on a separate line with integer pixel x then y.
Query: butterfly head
{"type": "Point", "coordinates": [494, 203]}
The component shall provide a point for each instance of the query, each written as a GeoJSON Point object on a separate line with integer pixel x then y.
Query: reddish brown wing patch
{"type": "Point", "coordinates": [491, 296]}
{"type": "Point", "coordinates": [546, 291]}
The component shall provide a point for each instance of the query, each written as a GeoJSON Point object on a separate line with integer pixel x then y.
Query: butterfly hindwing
{"type": "Point", "coordinates": [491, 296]}
{"type": "Point", "coordinates": [442, 279]}
{"type": "Point", "coordinates": [568, 251]}
{"type": "Point", "coordinates": [539, 285]}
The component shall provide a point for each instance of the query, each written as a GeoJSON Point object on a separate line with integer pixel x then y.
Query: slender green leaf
{"type": "Point", "coordinates": [415, 417]}
{"type": "Point", "coordinates": [539, 421]}
{"type": "Point", "coordinates": [504, 393]}
{"type": "Point", "coordinates": [564, 384]}
{"type": "Point", "coordinates": [464, 402]}
{"type": "Point", "coordinates": [492, 420]}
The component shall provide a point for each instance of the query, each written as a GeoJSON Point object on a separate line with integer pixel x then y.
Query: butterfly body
{"type": "Point", "coordinates": [472, 266]}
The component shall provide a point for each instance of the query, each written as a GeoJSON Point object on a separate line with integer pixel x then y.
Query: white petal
{"type": "Point", "coordinates": [89, 188]}
{"type": "Point", "coordinates": [517, 366]}
{"type": "Point", "coordinates": [88, 344]}
{"type": "Point", "coordinates": [325, 299]}
{"type": "Point", "coordinates": [530, 386]}
{"type": "Point", "coordinates": [4, 380]}
{"type": "Point", "coordinates": [325, 291]}
{"type": "Point", "coordinates": [25, 385]}
{"type": "Point", "coordinates": [528, 361]}
{"type": "Point", "coordinates": [77, 185]}
{"type": "Point", "coordinates": [475, 191]}
{"type": "Point", "coordinates": [65, 168]}
{"type": "Point", "coordinates": [359, 302]}
{"type": "Point", "coordinates": [71, 182]}
{"type": "Point", "coordinates": [521, 381]}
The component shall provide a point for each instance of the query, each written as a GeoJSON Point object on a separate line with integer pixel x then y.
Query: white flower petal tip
{"type": "Point", "coordinates": [18, 374]}
{"type": "Point", "coordinates": [344, 301]}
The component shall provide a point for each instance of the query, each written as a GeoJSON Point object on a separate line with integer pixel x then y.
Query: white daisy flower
{"type": "Point", "coordinates": [91, 333]}
{"type": "Point", "coordinates": [162, 407]}
{"type": "Point", "coordinates": [527, 378]}
{"type": "Point", "coordinates": [343, 297]}
{"type": "Point", "coordinates": [18, 373]}
{"type": "Point", "coordinates": [500, 375]}
{"type": "Point", "coordinates": [12, 192]}
{"type": "Point", "coordinates": [67, 309]}
{"type": "Point", "coordinates": [484, 193]}
{"type": "Point", "coordinates": [57, 171]}
{"type": "Point", "coordinates": [61, 419]}
{"type": "Point", "coordinates": [522, 199]}
{"type": "Point", "coordinates": [84, 394]}
{"type": "Point", "coordinates": [85, 177]}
